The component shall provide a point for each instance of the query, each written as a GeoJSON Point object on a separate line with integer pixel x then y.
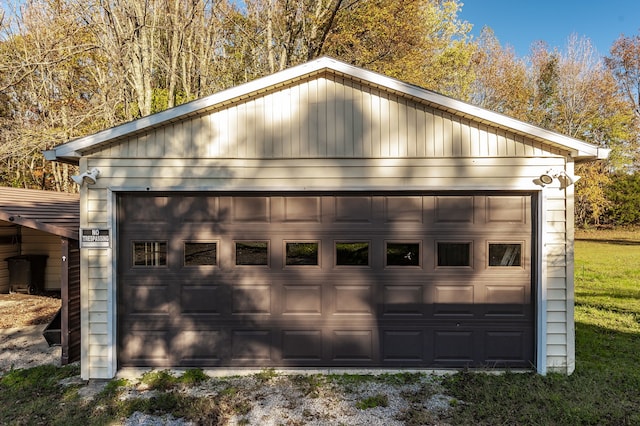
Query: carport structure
{"type": "Point", "coordinates": [46, 224]}
{"type": "Point", "coordinates": [327, 216]}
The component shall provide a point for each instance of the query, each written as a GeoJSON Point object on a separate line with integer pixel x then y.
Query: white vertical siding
{"type": "Point", "coordinates": [570, 238]}
{"type": "Point", "coordinates": [98, 335]}
{"type": "Point", "coordinates": [98, 276]}
{"type": "Point", "coordinates": [325, 118]}
{"type": "Point", "coordinates": [555, 252]}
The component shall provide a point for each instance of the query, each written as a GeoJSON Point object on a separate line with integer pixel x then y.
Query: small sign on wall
{"type": "Point", "coordinates": [95, 238]}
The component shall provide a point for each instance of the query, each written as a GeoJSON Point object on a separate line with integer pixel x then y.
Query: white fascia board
{"type": "Point", "coordinates": [578, 149]}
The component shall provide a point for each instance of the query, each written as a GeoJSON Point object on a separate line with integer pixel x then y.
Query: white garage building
{"type": "Point", "coordinates": [327, 217]}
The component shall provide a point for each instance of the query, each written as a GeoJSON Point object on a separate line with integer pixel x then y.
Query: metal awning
{"type": "Point", "coordinates": [53, 212]}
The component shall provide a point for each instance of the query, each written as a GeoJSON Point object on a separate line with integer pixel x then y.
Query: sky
{"type": "Point", "coordinates": [519, 23]}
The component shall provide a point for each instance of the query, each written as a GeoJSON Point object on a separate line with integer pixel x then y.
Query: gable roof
{"type": "Point", "coordinates": [53, 212]}
{"type": "Point", "coordinates": [72, 151]}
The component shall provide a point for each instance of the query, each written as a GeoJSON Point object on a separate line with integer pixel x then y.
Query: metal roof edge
{"type": "Point", "coordinates": [71, 151]}
{"type": "Point", "coordinates": [34, 224]}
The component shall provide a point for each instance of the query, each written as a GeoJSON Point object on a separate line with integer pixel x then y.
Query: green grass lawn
{"type": "Point", "coordinates": [604, 389]}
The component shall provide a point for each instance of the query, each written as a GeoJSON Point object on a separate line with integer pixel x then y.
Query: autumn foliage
{"type": "Point", "coordinates": [70, 68]}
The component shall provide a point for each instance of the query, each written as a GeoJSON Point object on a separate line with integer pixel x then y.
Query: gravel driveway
{"type": "Point", "coordinates": [25, 347]}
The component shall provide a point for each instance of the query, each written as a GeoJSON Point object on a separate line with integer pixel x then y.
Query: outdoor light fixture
{"type": "Point", "coordinates": [562, 176]}
{"type": "Point", "coordinates": [546, 178]}
{"type": "Point", "coordinates": [89, 177]}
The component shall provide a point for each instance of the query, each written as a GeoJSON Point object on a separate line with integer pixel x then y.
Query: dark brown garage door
{"type": "Point", "coordinates": [367, 279]}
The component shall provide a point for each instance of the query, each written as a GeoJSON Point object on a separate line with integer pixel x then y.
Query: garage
{"type": "Point", "coordinates": [326, 216]}
{"type": "Point", "coordinates": [367, 279]}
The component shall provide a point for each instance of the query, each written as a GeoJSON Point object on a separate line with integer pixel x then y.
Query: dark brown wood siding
{"type": "Point", "coordinates": [70, 293]}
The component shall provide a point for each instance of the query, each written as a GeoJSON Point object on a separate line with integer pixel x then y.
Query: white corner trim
{"type": "Point", "coordinates": [541, 288]}
{"type": "Point", "coordinates": [112, 305]}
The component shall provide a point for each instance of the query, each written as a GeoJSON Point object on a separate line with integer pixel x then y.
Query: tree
{"type": "Point", "coordinates": [624, 194]}
{"type": "Point", "coordinates": [44, 55]}
{"type": "Point", "coordinates": [288, 32]}
{"type": "Point", "coordinates": [624, 63]}
{"type": "Point", "coordinates": [576, 95]}
{"type": "Point", "coordinates": [502, 82]}
{"type": "Point", "coordinates": [419, 41]}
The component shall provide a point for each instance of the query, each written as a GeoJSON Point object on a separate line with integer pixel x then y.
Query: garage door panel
{"type": "Point", "coordinates": [149, 300]}
{"type": "Point", "coordinates": [251, 209]}
{"type": "Point", "coordinates": [454, 209]}
{"type": "Point", "coordinates": [251, 345]}
{"type": "Point", "coordinates": [139, 322]}
{"type": "Point", "coordinates": [364, 312]}
{"type": "Point", "coordinates": [147, 346]}
{"type": "Point", "coordinates": [352, 345]}
{"type": "Point", "coordinates": [145, 210]}
{"type": "Point", "coordinates": [403, 300]}
{"type": "Point", "coordinates": [302, 209]}
{"type": "Point", "coordinates": [353, 300]}
{"type": "Point", "coordinates": [200, 347]}
{"type": "Point", "coordinates": [456, 301]}
{"type": "Point", "coordinates": [403, 346]}
{"type": "Point", "coordinates": [302, 345]}
{"type": "Point", "coordinates": [403, 209]}
{"type": "Point", "coordinates": [506, 301]}
{"type": "Point", "coordinates": [353, 209]}
{"type": "Point", "coordinates": [453, 347]}
{"type": "Point", "coordinates": [302, 300]}
{"type": "Point", "coordinates": [200, 210]}
{"type": "Point", "coordinates": [505, 346]}
{"type": "Point", "coordinates": [208, 300]}
{"type": "Point", "coordinates": [510, 209]}
{"type": "Point", "coordinates": [251, 299]}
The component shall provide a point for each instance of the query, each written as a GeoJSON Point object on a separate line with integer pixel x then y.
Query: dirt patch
{"type": "Point", "coordinates": [23, 317]}
{"type": "Point", "coordinates": [19, 310]}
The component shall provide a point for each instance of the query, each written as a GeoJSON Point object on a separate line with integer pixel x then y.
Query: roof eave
{"type": "Point", "coordinates": [62, 156]}
{"type": "Point", "coordinates": [34, 224]}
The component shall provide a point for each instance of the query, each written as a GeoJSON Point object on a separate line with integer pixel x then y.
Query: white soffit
{"type": "Point", "coordinates": [72, 151]}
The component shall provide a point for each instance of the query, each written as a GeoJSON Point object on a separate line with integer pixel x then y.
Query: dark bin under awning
{"type": "Point", "coordinates": [27, 273]}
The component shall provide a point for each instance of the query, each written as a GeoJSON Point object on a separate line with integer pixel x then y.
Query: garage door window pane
{"type": "Point", "coordinates": [403, 254]}
{"type": "Point", "coordinates": [149, 253]}
{"type": "Point", "coordinates": [505, 254]}
{"type": "Point", "coordinates": [200, 254]}
{"type": "Point", "coordinates": [252, 253]}
{"type": "Point", "coordinates": [302, 253]}
{"type": "Point", "coordinates": [352, 254]}
{"type": "Point", "coordinates": [454, 254]}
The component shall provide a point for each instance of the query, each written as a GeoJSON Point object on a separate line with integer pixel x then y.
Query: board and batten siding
{"type": "Point", "coordinates": [324, 134]}
{"type": "Point", "coordinates": [325, 118]}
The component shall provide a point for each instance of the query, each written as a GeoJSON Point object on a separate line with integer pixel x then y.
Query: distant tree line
{"type": "Point", "coordinates": [69, 68]}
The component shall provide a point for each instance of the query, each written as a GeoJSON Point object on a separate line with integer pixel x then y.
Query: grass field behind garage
{"type": "Point", "coordinates": [605, 387]}
{"type": "Point", "coordinates": [604, 390]}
